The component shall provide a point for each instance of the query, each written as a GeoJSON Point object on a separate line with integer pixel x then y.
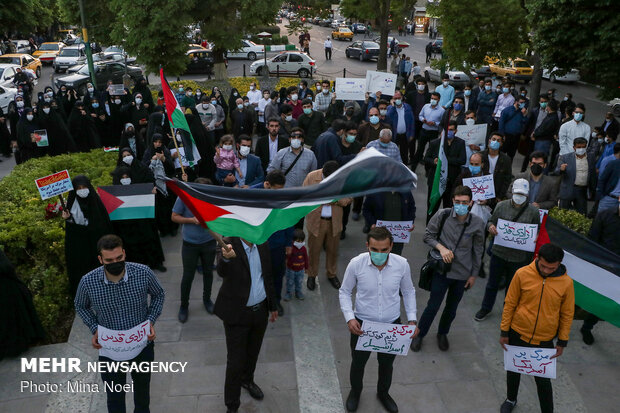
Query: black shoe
{"type": "Point", "coordinates": [587, 336]}
{"type": "Point", "coordinates": [507, 406]}
{"type": "Point", "coordinates": [416, 344]}
{"type": "Point", "coordinates": [388, 403]}
{"type": "Point", "coordinates": [183, 313]}
{"type": "Point", "coordinates": [442, 342]}
{"type": "Point", "coordinates": [355, 216]}
{"type": "Point", "coordinates": [232, 410]}
{"type": "Point", "coordinates": [343, 234]}
{"type": "Point", "coordinates": [335, 282]}
{"type": "Point", "coordinates": [280, 309]}
{"type": "Point", "coordinates": [254, 390]}
{"type": "Point", "coordinates": [481, 315]}
{"type": "Point", "coordinates": [311, 283]}
{"type": "Point", "coordinates": [209, 306]}
{"type": "Point", "coordinates": [366, 229]}
{"type": "Point", "coordinates": [353, 401]}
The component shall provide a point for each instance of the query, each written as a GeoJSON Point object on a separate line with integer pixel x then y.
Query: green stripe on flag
{"type": "Point", "coordinates": [597, 304]}
{"type": "Point", "coordinates": [141, 212]}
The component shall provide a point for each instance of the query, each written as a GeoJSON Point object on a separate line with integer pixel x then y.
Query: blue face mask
{"type": "Point", "coordinates": [95, 105]}
{"type": "Point", "coordinates": [374, 119]}
{"type": "Point", "coordinates": [398, 102]}
{"type": "Point", "coordinates": [458, 106]}
{"type": "Point", "coordinates": [505, 90]}
{"type": "Point", "coordinates": [475, 170]}
{"type": "Point", "coordinates": [521, 105]}
{"type": "Point", "coordinates": [384, 144]}
{"type": "Point", "coordinates": [461, 209]}
{"type": "Point", "coordinates": [578, 116]}
{"type": "Point", "coordinates": [467, 92]}
{"type": "Point", "coordinates": [307, 111]}
{"type": "Point", "coordinates": [494, 145]}
{"type": "Point", "coordinates": [451, 134]}
{"type": "Point", "coordinates": [378, 258]}
{"type": "Point", "coordinates": [350, 138]}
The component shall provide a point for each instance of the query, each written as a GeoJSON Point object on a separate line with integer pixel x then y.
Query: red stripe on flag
{"type": "Point", "coordinates": [169, 98]}
{"type": "Point", "coordinates": [202, 210]}
{"type": "Point", "coordinates": [543, 236]}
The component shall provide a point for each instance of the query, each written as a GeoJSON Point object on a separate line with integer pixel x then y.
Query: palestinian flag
{"type": "Point", "coordinates": [188, 151]}
{"type": "Point", "coordinates": [128, 201]}
{"type": "Point", "coordinates": [594, 269]}
{"type": "Point", "coordinates": [255, 214]}
{"type": "Point", "coordinates": [440, 180]}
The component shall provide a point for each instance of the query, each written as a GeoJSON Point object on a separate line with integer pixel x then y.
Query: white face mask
{"type": "Point", "coordinates": [46, 110]}
{"type": "Point", "coordinates": [47, 99]}
{"type": "Point", "coordinates": [128, 159]}
{"type": "Point", "coordinates": [289, 118]}
{"type": "Point", "coordinates": [294, 96]}
{"type": "Point", "coordinates": [295, 143]}
{"type": "Point", "coordinates": [20, 103]}
{"type": "Point", "coordinates": [91, 90]}
{"type": "Point", "coordinates": [445, 83]}
{"type": "Point", "coordinates": [240, 106]}
{"type": "Point", "coordinates": [326, 91]}
{"type": "Point", "coordinates": [433, 102]}
{"type": "Point", "coordinates": [189, 93]}
{"type": "Point", "coordinates": [519, 199]}
{"type": "Point", "coordinates": [593, 134]}
{"type": "Point", "coordinates": [138, 101]}
{"type": "Point", "coordinates": [244, 150]}
{"type": "Point", "coordinates": [470, 121]}
{"type": "Point", "coordinates": [82, 193]}
{"type": "Point", "coordinates": [125, 181]}
{"type": "Point", "coordinates": [298, 244]}
{"type": "Point", "coordinates": [205, 105]}
{"type": "Point", "coordinates": [580, 151]}
{"type": "Point", "coordinates": [227, 147]}
{"type": "Point", "coordinates": [383, 112]}
{"type": "Point", "coordinates": [117, 101]}
{"type": "Point", "coordinates": [318, 88]}
{"type": "Point", "coordinates": [29, 117]}
{"type": "Point", "coordinates": [251, 87]}
{"type": "Point", "coordinates": [421, 87]}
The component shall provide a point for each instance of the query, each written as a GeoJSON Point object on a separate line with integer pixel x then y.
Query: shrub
{"type": "Point", "coordinates": [572, 219]}
{"type": "Point", "coordinates": [36, 245]}
{"type": "Point", "coordinates": [268, 29]}
{"type": "Point", "coordinates": [242, 84]}
{"type": "Point", "coordinates": [290, 81]}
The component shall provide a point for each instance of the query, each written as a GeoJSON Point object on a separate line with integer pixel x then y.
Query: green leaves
{"type": "Point", "coordinates": [572, 219]}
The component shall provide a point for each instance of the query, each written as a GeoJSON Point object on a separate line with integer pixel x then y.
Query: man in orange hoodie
{"type": "Point", "coordinates": [539, 306]}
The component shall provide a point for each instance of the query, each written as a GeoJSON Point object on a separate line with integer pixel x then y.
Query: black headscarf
{"type": "Point", "coordinates": [139, 173]}
{"type": "Point", "coordinates": [91, 206]}
{"type": "Point", "coordinates": [118, 173]}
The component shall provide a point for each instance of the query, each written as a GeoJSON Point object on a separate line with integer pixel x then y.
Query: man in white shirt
{"type": "Point", "coordinates": [504, 100]}
{"type": "Point", "coordinates": [328, 49]}
{"type": "Point", "coordinates": [575, 128]}
{"type": "Point", "coordinates": [379, 277]}
{"type": "Point", "coordinates": [254, 96]}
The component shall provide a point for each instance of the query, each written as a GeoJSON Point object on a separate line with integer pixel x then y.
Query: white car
{"type": "Point", "coordinates": [457, 77]}
{"type": "Point", "coordinates": [615, 106]}
{"type": "Point", "coordinates": [286, 63]}
{"type": "Point", "coordinates": [337, 23]}
{"type": "Point", "coordinates": [7, 96]}
{"type": "Point", "coordinates": [249, 50]}
{"type": "Point", "coordinates": [22, 46]}
{"type": "Point", "coordinates": [569, 77]}
{"type": "Point", "coordinates": [69, 56]}
{"type": "Point", "coordinates": [7, 73]}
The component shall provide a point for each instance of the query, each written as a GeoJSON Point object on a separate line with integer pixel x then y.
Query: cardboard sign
{"type": "Point", "coordinates": [482, 187]}
{"type": "Point", "coordinates": [117, 90]}
{"type": "Point", "coordinates": [385, 338]}
{"type": "Point", "coordinates": [516, 235]}
{"type": "Point", "coordinates": [472, 135]}
{"type": "Point", "coordinates": [350, 89]}
{"type": "Point", "coordinates": [54, 184]}
{"type": "Point", "coordinates": [531, 361]}
{"type": "Point", "coordinates": [40, 137]}
{"type": "Point", "coordinates": [121, 345]}
{"type": "Point", "coordinates": [380, 82]}
{"type": "Point", "coordinates": [400, 230]}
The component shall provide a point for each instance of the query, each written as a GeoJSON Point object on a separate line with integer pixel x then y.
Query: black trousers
{"type": "Point", "coordinates": [141, 384]}
{"type": "Point", "coordinates": [278, 267]}
{"type": "Point", "coordinates": [190, 254]}
{"type": "Point", "coordinates": [356, 206]}
{"type": "Point", "coordinates": [511, 144]}
{"type": "Point", "coordinates": [403, 145]}
{"type": "Point", "coordinates": [328, 53]}
{"type": "Point", "coordinates": [424, 138]}
{"type": "Point", "coordinates": [243, 343]}
{"type": "Point", "coordinates": [358, 363]}
{"type": "Point", "coordinates": [589, 322]}
{"type": "Point", "coordinates": [579, 201]}
{"type": "Point", "coordinates": [543, 385]}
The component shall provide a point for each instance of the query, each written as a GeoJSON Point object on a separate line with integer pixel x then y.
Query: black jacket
{"type": "Point", "coordinates": [262, 149]}
{"type": "Point", "coordinates": [548, 128]}
{"type": "Point", "coordinates": [242, 122]}
{"type": "Point", "coordinates": [612, 129]}
{"type": "Point", "coordinates": [455, 153]}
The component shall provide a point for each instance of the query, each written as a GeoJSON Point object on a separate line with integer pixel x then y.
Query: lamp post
{"type": "Point", "coordinates": [89, 53]}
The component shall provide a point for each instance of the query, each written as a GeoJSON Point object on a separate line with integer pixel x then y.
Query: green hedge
{"type": "Point", "coordinates": [572, 220]}
{"type": "Point", "coordinates": [35, 244]}
{"type": "Point", "coordinates": [268, 29]}
{"type": "Point", "coordinates": [274, 40]}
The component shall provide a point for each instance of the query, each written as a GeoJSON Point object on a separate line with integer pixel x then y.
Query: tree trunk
{"type": "Point", "coordinates": [536, 81]}
{"type": "Point", "coordinates": [219, 67]}
{"type": "Point", "coordinates": [384, 28]}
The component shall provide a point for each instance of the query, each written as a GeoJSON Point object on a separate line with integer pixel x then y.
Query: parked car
{"type": "Point", "coordinates": [569, 77]}
{"type": "Point", "coordinates": [336, 23]}
{"type": "Point", "coordinates": [481, 72]}
{"type": "Point", "coordinates": [363, 50]}
{"type": "Point", "coordinates": [343, 33]}
{"type": "Point", "coordinates": [457, 77]}
{"type": "Point", "coordinates": [513, 69]}
{"type": "Point", "coordinates": [289, 63]}
{"type": "Point", "coordinates": [326, 22]}
{"type": "Point", "coordinates": [48, 51]}
{"type": "Point", "coordinates": [69, 56]}
{"type": "Point", "coordinates": [278, 19]}
{"type": "Point", "coordinates": [7, 74]}
{"type": "Point", "coordinates": [389, 41]}
{"type": "Point", "coordinates": [24, 60]}
{"type": "Point", "coordinates": [248, 50]}
{"type": "Point", "coordinates": [360, 28]}
{"type": "Point", "coordinates": [437, 46]}
{"type": "Point", "coordinates": [71, 39]}
{"type": "Point", "coordinates": [22, 46]}
{"type": "Point", "coordinates": [103, 72]}
{"type": "Point", "coordinates": [7, 96]}
{"type": "Point", "coordinates": [615, 106]}
{"type": "Point", "coordinates": [200, 61]}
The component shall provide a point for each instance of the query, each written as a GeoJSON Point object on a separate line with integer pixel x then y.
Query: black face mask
{"type": "Point", "coordinates": [115, 268]}
{"type": "Point", "coordinates": [350, 112]}
{"type": "Point", "coordinates": [536, 169]}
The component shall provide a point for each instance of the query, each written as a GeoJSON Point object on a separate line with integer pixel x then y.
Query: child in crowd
{"type": "Point", "coordinates": [226, 161]}
{"type": "Point", "coordinates": [296, 266]}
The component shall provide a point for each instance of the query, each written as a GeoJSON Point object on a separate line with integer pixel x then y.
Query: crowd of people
{"type": "Point", "coordinates": [297, 137]}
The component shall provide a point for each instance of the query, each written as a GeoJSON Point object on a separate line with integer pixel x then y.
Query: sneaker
{"type": "Point", "coordinates": [587, 336]}
{"type": "Point", "coordinates": [299, 296]}
{"type": "Point", "coordinates": [287, 297]}
{"type": "Point", "coordinates": [507, 406]}
{"type": "Point", "coordinates": [481, 315]}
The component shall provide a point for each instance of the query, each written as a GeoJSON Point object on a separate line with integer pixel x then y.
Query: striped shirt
{"type": "Point", "coordinates": [390, 150]}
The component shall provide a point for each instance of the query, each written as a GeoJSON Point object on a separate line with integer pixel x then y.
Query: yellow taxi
{"type": "Point", "coordinates": [48, 51]}
{"type": "Point", "coordinates": [342, 33]}
{"type": "Point", "coordinates": [513, 69]}
{"type": "Point", "coordinates": [24, 60]}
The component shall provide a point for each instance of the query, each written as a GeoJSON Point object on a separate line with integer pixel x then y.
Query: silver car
{"type": "Point", "coordinates": [69, 56]}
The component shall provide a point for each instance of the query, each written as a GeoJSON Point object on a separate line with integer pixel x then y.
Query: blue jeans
{"type": "Point", "coordinates": [294, 280]}
{"type": "Point", "coordinates": [607, 202]}
{"type": "Point", "coordinates": [439, 286]}
{"type": "Point", "coordinates": [497, 268]}
{"type": "Point", "coordinates": [220, 174]}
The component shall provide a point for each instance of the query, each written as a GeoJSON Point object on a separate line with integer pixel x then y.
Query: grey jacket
{"type": "Point", "coordinates": [547, 196]}
{"type": "Point", "coordinates": [468, 255]}
{"type": "Point", "coordinates": [508, 212]}
{"type": "Point", "coordinates": [567, 177]}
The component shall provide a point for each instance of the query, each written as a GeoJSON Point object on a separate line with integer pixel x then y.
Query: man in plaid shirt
{"type": "Point", "coordinates": [323, 99]}
{"type": "Point", "coordinates": [115, 297]}
{"type": "Point", "coordinates": [385, 145]}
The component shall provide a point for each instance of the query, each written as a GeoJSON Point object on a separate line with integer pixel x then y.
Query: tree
{"type": "Point", "coordinates": [579, 34]}
{"type": "Point", "coordinates": [99, 15]}
{"type": "Point", "coordinates": [28, 15]}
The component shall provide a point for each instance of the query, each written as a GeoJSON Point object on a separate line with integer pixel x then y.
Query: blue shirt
{"type": "Point", "coordinates": [430, 114]}
{"type": "Point", "coordinates": [243, 165]}
{"type": "Point", "coordinates": [447, 95]}
{"type": "Point", "coordinates": [257, 289]}
{"type": "Point", "coordinates": [194, 234]}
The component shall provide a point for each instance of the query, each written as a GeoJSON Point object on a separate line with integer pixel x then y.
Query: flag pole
{"type": "Point", "coordinates": [174, 139]}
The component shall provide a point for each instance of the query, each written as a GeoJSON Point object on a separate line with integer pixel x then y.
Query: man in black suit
{"type": "Point", "coordinates": [267, 146]}
{"type": "Point", "coordinates": [245, 301]}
